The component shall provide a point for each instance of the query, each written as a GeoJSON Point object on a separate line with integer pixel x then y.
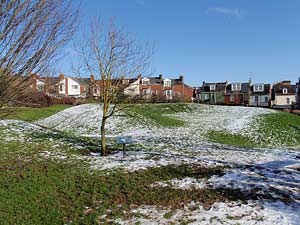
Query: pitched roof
{"type": "Point", "coordinates": [244, 88]}
{"type": "Point", "coordinates": [220, 87]}
{"type": "Point", "coordinates": [83, 81]}
{"type": "Point", "coordinates": [266, 90]}
{"type": "Point", "coordinates": [278, 88]}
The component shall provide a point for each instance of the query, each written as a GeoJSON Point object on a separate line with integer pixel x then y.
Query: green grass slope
{"type": "Point", "coordinates": [279, 129]}
{"type": "Point", "coordinates": [33, 114]}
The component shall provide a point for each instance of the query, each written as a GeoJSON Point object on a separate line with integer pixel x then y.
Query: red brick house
{"type": "Point", "coordinates": [158, 89]}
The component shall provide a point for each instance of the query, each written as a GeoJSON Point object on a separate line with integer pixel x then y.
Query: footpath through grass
{"type": "Point", "coordinates": [160, 113]}
{"type": "Point", "coordinates": [32, 114]}
{"type": "Point", "coordinates": [279, 129]}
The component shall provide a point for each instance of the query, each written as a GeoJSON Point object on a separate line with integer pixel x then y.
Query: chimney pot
{"type": "Point", "coordinates": [181, 78]}
{"type": "Point", "coordinates": [61, 76]}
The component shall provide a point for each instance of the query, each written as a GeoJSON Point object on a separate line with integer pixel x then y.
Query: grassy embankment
{"type": "Point", "coordinates": [270, 130]}
{"type": "Point", "coordinates": [37, 190]}
{"type": "Point", "coordinates": [159, 114]}
{"type": "Point", "coordinates": [32, 114]}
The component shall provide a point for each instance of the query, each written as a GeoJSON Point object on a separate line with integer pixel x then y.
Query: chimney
{"type": "Point", "coordinates": [181, 78]}
{"type": "Point", "coordinates": [286, 82]}
{"type": "Point", "coordinates": [140, 76]}
{"type": "Point", "coordinates": [92, 77]}
{"type": "Point", "coordinates": [61, 77]}
{"type": "Point", "coordinates": [160, 76]}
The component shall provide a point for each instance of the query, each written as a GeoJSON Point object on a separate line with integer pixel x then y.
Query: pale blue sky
{"type": "Point", "coordinates": [211, 40]}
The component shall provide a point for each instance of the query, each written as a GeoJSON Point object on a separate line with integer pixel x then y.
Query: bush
{"type": "Point", "coordinates": [34, 99]}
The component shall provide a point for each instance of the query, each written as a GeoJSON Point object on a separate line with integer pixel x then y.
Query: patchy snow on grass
{"type": "Point", "coordinates": [139, 161]}
{"type": "Point", "coordinates": [272, 171]}
{"type": "Point", "coordinates": [220, 213]}
{"type": "Point", "coordinates": [186, 183]}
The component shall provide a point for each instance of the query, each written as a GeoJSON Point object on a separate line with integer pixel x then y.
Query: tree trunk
{"type": "Point", "coordinates": [103, 138]}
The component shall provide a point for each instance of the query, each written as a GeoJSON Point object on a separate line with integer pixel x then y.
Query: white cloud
{"type": "Point", "coordinates": [237, 12]}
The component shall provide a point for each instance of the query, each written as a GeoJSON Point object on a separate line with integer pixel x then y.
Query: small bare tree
{"type": "Point", "coordinates": [31, 34]}
{"type": "Point", "coordinates": [110, 55]}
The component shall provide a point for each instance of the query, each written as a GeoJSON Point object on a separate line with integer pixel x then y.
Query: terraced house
{"type": "Point", "coordinates": [158, 89]}
{"type": "Point", "coordinates": [283, 95]}
{"type": "Point", "coordinates": [211, 93]}
{"type": "Point", "coordinates": [237, 94]}
{"type": "Point", "coordinates": [260, 95]}
{"type": "Point", "coordinates": [155, 89]}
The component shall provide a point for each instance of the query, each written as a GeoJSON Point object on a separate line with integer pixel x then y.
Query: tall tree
{"type": "Point", "coordinates": [110, 55]}
{"type": "Point", "coordinates": [31, 34]}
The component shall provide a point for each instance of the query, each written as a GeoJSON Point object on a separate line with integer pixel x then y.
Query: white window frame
{"type": "Point", "coordinates": [284, 91]}
{"type": "Point", "coordinates": [288, 101]}
{"type": "Point", "coordinates": [212, 87]}
{"type": "Point", "coordinates": [168, 92]}
{"type": "Point", "coordinates": [75, 87]}
{"type": "Point", "coordinates": [145, 81]}
{"type": "Point", "coordinates": [231, 98]}
{"type": "Point", "coordinates": [61, 87]}
{"type": "Point", "coordinates": [236, 86]}
{"type": "Point", "coordinates": [258, 87]}
{"type": "Point", "coordinates": [167, 83]}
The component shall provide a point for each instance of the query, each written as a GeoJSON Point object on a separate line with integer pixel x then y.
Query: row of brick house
{"type": "Point", "coordinates": [282, 94]}
{"type": "Point", "coordinates": [157, 89]}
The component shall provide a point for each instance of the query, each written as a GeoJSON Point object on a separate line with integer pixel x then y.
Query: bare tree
{"type": "Point", "coordinates": [110, 55]}
{"type": "Point", "coordinates": [31, 34]}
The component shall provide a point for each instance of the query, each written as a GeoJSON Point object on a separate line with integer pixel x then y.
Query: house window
{"type": "Point", "coordinates": [146, 91]}
{"type": "Point", "coordinates": [232, 98]}
{"type": "Point", "coordinates": [287, 100]}
{"type": "Point", "coordinates": [236, 86]}
{"type": "Point", "coordinates": [256, 98]}
{"type": "Point", "coordinates": [167, 83]}
{"type": "Point", "coordinates": [61, 87]}
{"type": "Point", "coordinates": [266, 99]}
{"type": "Point", "coordinates": [206, 96]}
{"type": "Point", "coordinates": [75, 86]}
{"type": "Point", "coordinates": [145, 81]}
{"type": "Point", "coordinates": [212, 87]}
{"type": "Point", "coordinates": [284, 91]}
{"type": "Point", "coordinates": [168, 93]}
{"type": "Point", "coordinates": [258, 88]}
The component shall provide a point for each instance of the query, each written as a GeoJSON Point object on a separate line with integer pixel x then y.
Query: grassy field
{"type": "Point", "coordinates": [235, 140]}
{"type": "Point", "coordinates": [33, 114]}
{"type": "Point", "coordinates": [279, 129]}
{"type": "Point", "coordinates": [160, 113]}
{"type": "Point", "coordinates": [34, 190]}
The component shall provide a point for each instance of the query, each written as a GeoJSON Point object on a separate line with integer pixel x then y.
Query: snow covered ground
{"type": "Point", "coordinates": [269, 171]}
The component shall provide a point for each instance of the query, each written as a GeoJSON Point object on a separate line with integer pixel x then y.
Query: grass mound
{"type": "Point", "coordinates": [236, 140]}
{"type": "Point", "coordinates": [270, 130]}
{"type": "Point", "coordinates": [160, 113]}
{"type": "Point", "coordinates": [33, 114]}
